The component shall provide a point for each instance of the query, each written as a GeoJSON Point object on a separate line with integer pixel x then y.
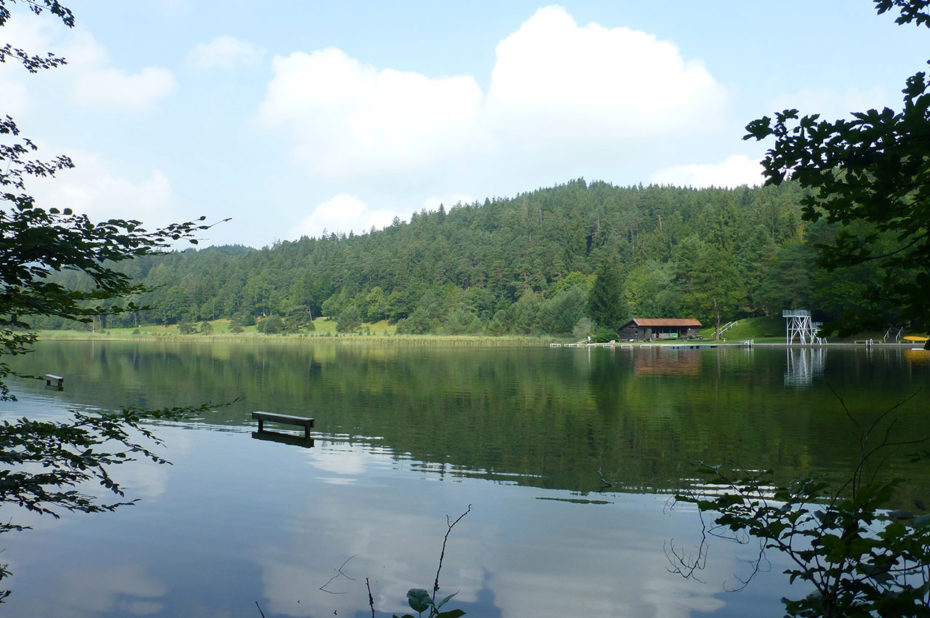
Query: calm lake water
{"type": "Point", "coordinates": [566, 456]}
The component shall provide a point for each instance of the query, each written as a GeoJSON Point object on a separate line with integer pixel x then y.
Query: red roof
{"type": "Point", "coordinates": [666, 322]}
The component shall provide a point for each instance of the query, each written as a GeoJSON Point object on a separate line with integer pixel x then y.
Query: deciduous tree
{"type": "Point", "coordinates": [875, 168]}
{"type": "Point", "coordinates": [45, 464]}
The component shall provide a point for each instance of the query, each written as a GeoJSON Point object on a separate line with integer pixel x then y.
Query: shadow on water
{"type": "Point", "coordinates": [283, 438]}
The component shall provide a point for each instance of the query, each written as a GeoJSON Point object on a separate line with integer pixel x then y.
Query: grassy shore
{"type": "Point", "coordinates": [772, 330]}
{"type": "Point", "coordinates": [324, 331]}
{"type": "Point", "coordinates": [760, 330]}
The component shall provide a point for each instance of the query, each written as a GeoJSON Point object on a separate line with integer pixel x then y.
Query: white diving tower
{"type": "Point", "coordinates": [799, 325]}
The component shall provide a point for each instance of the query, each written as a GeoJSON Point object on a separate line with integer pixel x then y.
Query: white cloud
{"type": "Point", "coordinates": [82, 50]}
{"type": "Point", "coordinates": [732, 172]}
{"type": "Point", "coordinates": [14, 97]}
{"type": "Point", "coordinates": [92, 188]}
{"type": "Point", "coordinates": [96, 83]}
{"type": "Point", "coordinates": [32, 35]}
{"type": "Point", "coordinates": [116, 89]}
{"type": "Point", "coordinates": [126, 589]}
{"type": "Point", "coordinates": [352, 119]}
{"type": "Point", "coordinates": [341, 214]}
{"type": "Point", "coordinates": [564, 101]}
{"type": "Point", "coordinates": [224, 52]}
{"type": "Point", "coordinates": [94, 80]}
{"type": "Point", "coordinates": [556, 79]}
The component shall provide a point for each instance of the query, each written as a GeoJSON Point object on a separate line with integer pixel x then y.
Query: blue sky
{"type": "Point", "coordinates": [297, 117]}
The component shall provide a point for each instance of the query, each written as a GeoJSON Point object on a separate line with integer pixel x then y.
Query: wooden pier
{"type": "Point", "coordinates": [285, 419]}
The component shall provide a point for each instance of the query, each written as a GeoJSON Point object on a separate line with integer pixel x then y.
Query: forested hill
{"type": "Point", "coordinates": [516, 265]}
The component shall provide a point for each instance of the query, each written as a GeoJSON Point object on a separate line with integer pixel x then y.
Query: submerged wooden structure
{"type": "Point", "coordinates": [284, 419]}
{"type": "Point", "coordinates": [54, 382]}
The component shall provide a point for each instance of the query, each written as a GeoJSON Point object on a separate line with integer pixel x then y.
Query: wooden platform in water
{"type": "Point", "coordinates": [284, 419]}
{"type": "Point", "coordinates": [54, 382]}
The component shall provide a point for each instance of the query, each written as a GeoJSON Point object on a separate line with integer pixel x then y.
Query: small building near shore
{"type": "Point", "coordinates": [648, 329]}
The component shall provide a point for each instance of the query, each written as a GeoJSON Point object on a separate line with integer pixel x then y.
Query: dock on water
{"type": "Point", "coordinates": [666, 346]}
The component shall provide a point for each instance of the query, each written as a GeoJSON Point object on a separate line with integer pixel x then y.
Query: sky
{"type": "Point", "coordinates": [303, 118]}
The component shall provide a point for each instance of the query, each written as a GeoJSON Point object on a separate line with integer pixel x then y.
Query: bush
{"type": "Point", "coordinates": [583, 328]}
{"type": "Point", "coordinates": [271, 325]}
{"type": "Point", "coordinates": [349, 320]}
{"type": "Point", "coordinates": [860, 558]}
{"type": "Point", "coordinates": [602, 334]}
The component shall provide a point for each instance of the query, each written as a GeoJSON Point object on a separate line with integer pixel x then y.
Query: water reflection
{"type": "Point", "coordinates": [121, 589]}
{"type": "Point", "coordinates": [655, 361]}
{"type": "Point", "coordinates": [556, 418]}
{"type": "Point", "coordinates": [803, 364]}
{"type": "Point", "coordinates": [283, 438]}
{"type": "Point", "coordinates": [406, 436]}
{"type": "Point", "coordinates": [243, 520]}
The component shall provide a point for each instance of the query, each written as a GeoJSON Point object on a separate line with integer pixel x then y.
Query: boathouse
{"type": "Point", "coordinates": [648, 329]}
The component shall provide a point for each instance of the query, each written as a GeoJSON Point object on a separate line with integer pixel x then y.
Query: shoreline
{"type": "Point", "coordinates": [515, 341]}
{"type": "Point", "coordinates": [465, 340]}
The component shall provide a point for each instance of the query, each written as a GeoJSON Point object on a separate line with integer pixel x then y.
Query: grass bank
{"type": "Point", "coordinates": [324, 331]}
{"type": "Point", "coordinates": [760, 330]}
{"type": "Point", "coordinates": [772, 330]}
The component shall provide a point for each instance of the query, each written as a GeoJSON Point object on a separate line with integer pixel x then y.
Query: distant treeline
{"type": "Point", "coordinates": [519, 265]}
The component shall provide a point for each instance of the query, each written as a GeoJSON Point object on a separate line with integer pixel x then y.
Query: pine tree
{"type": "Point", "coordinates": [606, 304]}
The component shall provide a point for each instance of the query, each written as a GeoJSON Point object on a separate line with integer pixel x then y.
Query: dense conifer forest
{"type": "Point", "coordinates": [522, 265]}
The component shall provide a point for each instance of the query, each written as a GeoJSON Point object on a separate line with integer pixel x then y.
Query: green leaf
{"type": "Point", "coordinates": [445, 600]}
{"type": "Point", "coordinates": [419, 599]}
{"type": "Point", "coordinates": [452, 613]}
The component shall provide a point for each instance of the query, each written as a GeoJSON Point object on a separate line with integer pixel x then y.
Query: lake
{"type": "Point", "coordinates": [567, 456]}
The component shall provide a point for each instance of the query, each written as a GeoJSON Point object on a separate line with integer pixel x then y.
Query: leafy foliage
{"type": "Point", "coordinates": [419, 599]}
{"type": "Point", "coordinates": [860, 558]}
{"type": "Point", "coordinates": [871, 174]}
{"type": "Point", "coordinates": [349, 320]}
{"type": "Point", "coordinates": [47, 464]}
{"type": "Point", "coordinates": [72, 453]}
{"type": "Point", "coordinates": [271, 325]}
{"type": "Point", "coordinates": [718, 288]}
{"type": "Point", "coordinates": [39, 245]}
{"type": "Point", "coordinates": [34, 62]}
